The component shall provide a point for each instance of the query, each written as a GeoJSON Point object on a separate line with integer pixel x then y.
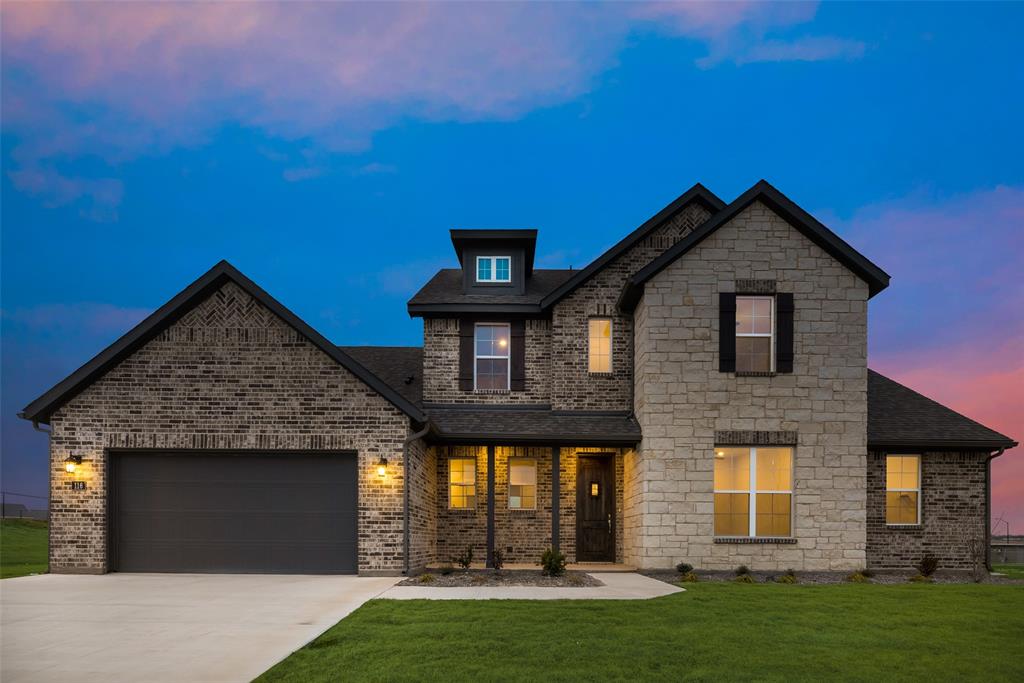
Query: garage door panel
{"type": "Point", "coordinates": [236, 512]}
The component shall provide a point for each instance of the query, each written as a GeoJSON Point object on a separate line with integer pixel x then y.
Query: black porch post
{"type": "Point", "coordinates": [490, 505]}
{"type": "Point", "coordinates": [556, 492]}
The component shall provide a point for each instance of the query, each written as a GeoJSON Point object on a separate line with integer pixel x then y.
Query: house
{"type": "Point", "coordinates": [700, 393]}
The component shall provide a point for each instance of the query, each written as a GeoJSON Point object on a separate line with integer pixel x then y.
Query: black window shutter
{"type": "Point", "coordinates": [518, 352]}
{"type": "Point", "coordinates": [466, 355]}
{"type": "Point", "coordinates": [784, 327]}
{"type": "Point", "coordinates": [726, 332]}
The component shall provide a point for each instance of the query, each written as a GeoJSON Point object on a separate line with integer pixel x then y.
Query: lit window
{"type": "Point", "coordinates": [493, 269]}
{"type": "Point", "coordinates": [755, 324]}
{"type": "Point", "coordinates": [491, 359]}
{"type": "Point", "coordinates": [600, 345]}
{"type": "Point", "coordinates": [461, 483]}
{"type": "Point", "coordinates": [753, 491]}
{"type": "Point", "coordinates": [522, 484]}
{"type": "Point", "coordinates": [902, 489]}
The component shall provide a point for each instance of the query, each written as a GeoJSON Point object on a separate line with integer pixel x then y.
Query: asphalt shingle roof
{"type": "Point", "coordinates": [400, 367]}
{"type": "Point", "coordinates": [540, 425]}
{"type": "Point", "coordinates": [446, 288]}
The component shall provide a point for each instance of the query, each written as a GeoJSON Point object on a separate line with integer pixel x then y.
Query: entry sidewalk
{"type": "Point", "coordinates": [617, 586]}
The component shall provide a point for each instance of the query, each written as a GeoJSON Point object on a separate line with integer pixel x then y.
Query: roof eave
{"type": "Point", "coordinates": [419, 310]}
{"type": "Point", "coordinates": [942, 444]}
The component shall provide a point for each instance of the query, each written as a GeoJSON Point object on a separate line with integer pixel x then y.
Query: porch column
{"type": "Point", "coordinates": [556, 493]}
{"type": "Point", "coordinates": [490, 505]}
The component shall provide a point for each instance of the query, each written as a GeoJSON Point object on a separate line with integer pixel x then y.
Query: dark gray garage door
{"type": "Point", "coordinates": [225, 512]}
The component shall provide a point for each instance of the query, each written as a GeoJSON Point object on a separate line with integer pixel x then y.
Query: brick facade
{"type": "Point", "coordinates": [227, 375]}
{"type": "Point", "coordinates": [953, 491]}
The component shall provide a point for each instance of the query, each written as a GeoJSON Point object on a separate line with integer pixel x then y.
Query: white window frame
{"type": "Point", "coordinates": [494, 268]}
{"type": "Point", "coordinates": [450, 484]}
{"type": "Point", "coordinates": [917, 490]}
{"type": "Point", "coordinates": [611, 333]}
{"type": "Point", "coordinates": [507, 356]}
{"type": "Point", "coordinates": [770, 335]}
{"type": "Point", "coordinates": [522, 461]}
{"type": "Point", "coordinates": [753, 491]}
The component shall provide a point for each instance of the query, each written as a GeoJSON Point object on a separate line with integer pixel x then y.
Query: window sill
{"type": "Point", "coordinates": [745, 373]}
{"type": "Point", "coordinates": [492, 392]}
{"type": "Point", "coordinates": [459, 510]}
{"type": "Point", "coordinates": [904, 526]}
{"type": "Point", "coordinates": [754, 540]}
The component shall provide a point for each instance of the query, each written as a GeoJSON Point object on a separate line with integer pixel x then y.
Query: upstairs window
{"type": "Point", "coordinates": [522, 484]}
{"type": "Point", "coordinates": [494, 269]}
{"type": "Point", "coordinates": [902, 489]}
{"type": "Point", "coordinates": [753, 491]}
{"type": "Point", "coordinates": [755, 327]}
{"type": "Point", "coordinates": [600, 345]}
{"type": "Point", "coordinates": [491, 357]}
{"type": "Point", "coordinates": [461, 483]}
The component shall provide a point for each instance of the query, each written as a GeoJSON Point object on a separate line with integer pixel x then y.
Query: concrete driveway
{"type": "Point", "coordinates": [166, 627]}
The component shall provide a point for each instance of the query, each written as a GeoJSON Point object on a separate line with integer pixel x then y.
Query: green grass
{"type": "Point", "coordinates": [711, 632]}
{"type": "Point", "coordinates": [22, 547]}
{"type": "Point", "coordinates": [1013, 571]}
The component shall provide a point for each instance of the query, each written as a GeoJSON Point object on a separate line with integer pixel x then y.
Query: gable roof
{"type": "Point", "coordinates": [401, 367]}
{"type": "Point", "coordinates": [900, 417]}
{"type": "Point", "coordinates": [527, 239]}
{"type": "Point", "coordinates": [698, 193]}
{"type": "Point", "coordinates": [43, 407]}
{"type": "Point", "coordinates": [444, 294]}
{"type": "Point", "coordinates": [876, 278]}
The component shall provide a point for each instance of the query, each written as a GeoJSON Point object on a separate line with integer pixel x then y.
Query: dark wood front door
{"type": "Point", "coordinates": [595, 509]}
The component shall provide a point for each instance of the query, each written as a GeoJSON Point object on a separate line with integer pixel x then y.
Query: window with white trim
{"type": "Point", "coordinates": [461, 483]}
{"type": "Point", "coordinates": [491, 344]}
{"type": "Point", "coordinates": [902, 489]}
{"type": "Point", "coordinates": [755, 334]}
{"type": "Point", "coordinates": [494, 269]}
{"type": "Point", "coordinates": [522, 484]}
{"type": "Point", "coordinates": [753, 491]}
{"type": "Point", "coordinates": [600, 344]}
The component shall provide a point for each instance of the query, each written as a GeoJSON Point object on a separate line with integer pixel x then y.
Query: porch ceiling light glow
{"type": "Point", "coordinates": [71, 463]}
{"type": "Point", "coordinates": [382, 467]}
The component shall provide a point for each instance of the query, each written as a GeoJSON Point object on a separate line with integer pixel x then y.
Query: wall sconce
{"type": "Point", "coordinates": [71, 463]}
{"type": "Point", "coordinates": [382, 467]}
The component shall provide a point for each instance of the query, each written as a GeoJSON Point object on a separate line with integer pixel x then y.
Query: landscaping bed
{"type": "Point", "coordinates": [507, 577]}
{"type": "Point", "coordinates": [826, 578]}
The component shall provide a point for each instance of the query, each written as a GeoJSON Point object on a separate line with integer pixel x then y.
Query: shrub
{"type": "Point", "coordinates": [857, 577]}
{"type": "Point", "coordinates": [446, 569]}
{"type": "Point", "coordinates": [921, 578]}
{"type": "Point", "coordinates": [465, 559]}
{"type": "Point", "coordinates": [744, 578]}
{"type": "Point", "coordinates": [867, 573]}
{"type": "Point", "coordinates": [426, 578]}
{"type": "Point", "coordinates": [788, 577]}
{"type": "Point", "coordinates": [497, 560]}
{"type": "Point", "coordinates": [742, 570]}
{"type": "Point", "coordinates": [684, 568]}
{"type": "Point", "coordinates": [928, 565]}
{"type": "Point", "coordinates": [552, 562]}
{"type": "Point", "coordinates": [690, 577]}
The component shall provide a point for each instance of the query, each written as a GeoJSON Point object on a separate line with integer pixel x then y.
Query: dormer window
{"type": "Point", "coordinates": [494, 269]}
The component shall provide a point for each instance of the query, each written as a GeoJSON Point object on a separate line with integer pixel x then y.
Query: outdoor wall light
{"type": "Point", "coordinates": [382, 467]}
{"type": "Point", "coordinates": [71, 463]}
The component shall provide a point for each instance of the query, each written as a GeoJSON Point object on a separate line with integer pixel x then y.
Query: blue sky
{"type": "Point", "coordinates": [141, 145]}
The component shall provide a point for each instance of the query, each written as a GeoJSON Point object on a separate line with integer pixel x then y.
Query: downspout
{"type": "Point", "coordinates": [405, 494]}
{"type": "Point", "coordinates": [988, 507]}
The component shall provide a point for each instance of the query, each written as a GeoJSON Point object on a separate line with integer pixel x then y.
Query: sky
{"type": "Point", "coordinates": [326, 149]}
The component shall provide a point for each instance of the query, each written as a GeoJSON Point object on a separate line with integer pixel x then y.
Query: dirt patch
{"type": "Point", "coordinates": [510, 577]}
{"type": "Point", "coordinates": [824, 578]}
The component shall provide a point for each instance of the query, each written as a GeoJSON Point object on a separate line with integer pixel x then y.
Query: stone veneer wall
{"type": "Point", "coordinates": [422, 505]}
{"type": "Point", "coordinates": [682, 400]}
{"type": "Point", "coordinates": [952, 513]}
{"type": "Point", "coordinates": [572, 385]}
{"type": "Point", "coordinates": [441, 365]}
{"type": "Point", "coordinates": [231, 375]}
{"type": "Point", "coordinates": [522, 535]}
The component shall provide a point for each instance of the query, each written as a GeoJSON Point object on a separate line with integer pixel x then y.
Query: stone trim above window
{"type": "Point", "coordinates": [755, 286]}
{"type": "Point", "coordinates": [754, 438]}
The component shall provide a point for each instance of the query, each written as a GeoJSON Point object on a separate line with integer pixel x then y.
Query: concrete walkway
{"type": "Point", "coordinates": [617, 586]}
{"type": "Point", "coordinates": [166, 627]}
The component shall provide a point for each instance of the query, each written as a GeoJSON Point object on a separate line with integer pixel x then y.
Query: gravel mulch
{"type": "Point", "coordinates": [824, 578]}
{"type": "Point", "coordinates": [509, 577]}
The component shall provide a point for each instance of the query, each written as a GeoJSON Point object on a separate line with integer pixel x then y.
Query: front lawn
{"type": "Point", "coordinates": [22, 547]}
{"type": "Point", "coordinates": [711, 632]}
{"type": "Point", "coordinates": [1012, 571]}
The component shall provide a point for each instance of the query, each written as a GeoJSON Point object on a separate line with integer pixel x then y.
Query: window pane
{"type": "Point", "coordinates": [744, 315]}
{"type": "Point", "coordinates": [732, 469]}
{"type": "Point", "coordinates": [492, 374]}
{"type": "Point", "coordinates": [732, 514]}
{"type": "Point", "coordinates": [774, 469]}
{"type": "Point", "coordinates": [773, 512]}
{"type": "Point", "coordinates": [522, 472]}
{"type": "Point", "coordinates": [600, 345]}
{"type": "Point", "coordinates": [522, 497]}
{"type": "Point", "coordinates": [492, 340]}
{"type": "Point", "coordinates": [483, 269]}
{"type": "Point", "coordinates": [501, 269]}
{"type": "Point", "coordinates": [753, 354]}
{"type": "Point", "coordinates": [901, 471]}
{"type": "Point", "coordinates": [901, 507]}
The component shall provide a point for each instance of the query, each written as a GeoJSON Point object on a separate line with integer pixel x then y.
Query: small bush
{"type": "Point", "coordinates": [446, 569]}
{"type": "Point", "coordinates": [744, 578]}
{"type": "Point", "coordinates": [867, 572]}
{"type": "Point", "coordinates": [684, 568]}
{"type": "Point", "coordinates": [857, 577]}
{"type": "Point", "coordinates": [426, 578]}
{"type": "Point", "coordinates": [465, 559]}
{"type": "Point", "coordinates": [788, 577]}
{"type": "Point", "coordinates": [742, 570]}
{"type": "Point", "coordinates": [552, 562]}
{"type": "Point", "coordinates": [921, 578]}
{"type": "Point", "coordinates": [928, 565]}
{"type": "Point", "coordinates": [497, 560]}
{"type": "Point", "coordinates": [690, 577]}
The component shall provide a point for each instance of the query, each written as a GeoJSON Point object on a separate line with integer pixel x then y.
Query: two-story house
{"type": "Point", "coordinates": [700, 393]}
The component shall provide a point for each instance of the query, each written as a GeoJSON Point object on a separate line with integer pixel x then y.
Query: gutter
{"type": "Point", "coordinates": [988, 507]}
{"type": "Point", "coordinates": [405, 494]}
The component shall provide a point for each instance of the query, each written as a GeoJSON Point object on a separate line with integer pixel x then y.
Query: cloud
{"type": "Point", "coordinates": [808, 49]}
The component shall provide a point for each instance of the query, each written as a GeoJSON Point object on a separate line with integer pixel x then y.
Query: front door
{"type": "Point", "coordinates": [595, 509]}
